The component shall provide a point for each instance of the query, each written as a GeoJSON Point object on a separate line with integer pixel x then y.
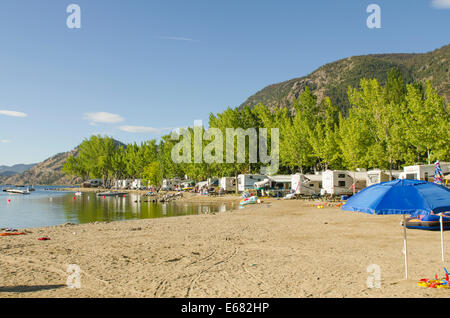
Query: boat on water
{"type": "Point", "coordinates": [111, 194]}
{"type": "Point", "coordinates": [16, 191]}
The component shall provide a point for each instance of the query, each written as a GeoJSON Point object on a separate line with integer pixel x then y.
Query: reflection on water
{"type": "Point", "coordinates": [49, 207]}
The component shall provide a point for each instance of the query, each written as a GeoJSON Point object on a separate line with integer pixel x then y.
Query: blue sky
{"type": "Point", "coordinates": [136, 68]}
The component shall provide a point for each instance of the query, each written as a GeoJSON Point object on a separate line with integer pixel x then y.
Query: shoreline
{"type": "Point", "coordinates": [187, 196]}
{"type": "Point", "coordinates": [274, 249]}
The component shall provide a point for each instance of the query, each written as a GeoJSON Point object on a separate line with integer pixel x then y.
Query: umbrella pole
{"type": "Point", "coordinates": [442, 240]}
{"type": "Point", "coordinates": [405, 247]}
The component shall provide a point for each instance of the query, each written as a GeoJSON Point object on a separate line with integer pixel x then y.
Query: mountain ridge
{"type": "Point", "coordinates": [333, 79]}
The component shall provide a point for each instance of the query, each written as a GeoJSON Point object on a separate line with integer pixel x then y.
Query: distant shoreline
{"type": "Point", "coordinates": [187, 196]}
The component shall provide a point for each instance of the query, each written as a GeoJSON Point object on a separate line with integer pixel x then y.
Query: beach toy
{"type": "Point", "coordinates": [12, 233]}
{"type": "Point", "coordinates": [435, 283]}
{"type": "Point", "coordinates": [422, 284]}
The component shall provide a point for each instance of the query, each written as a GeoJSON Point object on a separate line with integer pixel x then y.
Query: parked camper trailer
{"type": "Point", "coordinates": [378, 176]}
{"type": "Point", "coordinates": [213, 182]}
{"type": "Point", "coordinates": [136, 184]}
{"type": "Point", "coordinates": [247, 181]}
{"type": "Point", "coordinates": [171, 184]}
{"type": "Point", "coordinates": [202, 184]}
{"type": "Point", "coordinates": [228, 184]}
{"type": "Point", "coordinates": [275, 185]}
{"type": "Point", "coordinates": [306, 184]}
{"type": "Point", "coordinates": [423, 172]}
{"type": "Point", "coordinates": [340, 182]}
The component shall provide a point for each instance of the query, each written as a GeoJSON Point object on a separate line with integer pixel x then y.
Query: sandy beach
{"type": "Point", "coordinates": [274, 249]}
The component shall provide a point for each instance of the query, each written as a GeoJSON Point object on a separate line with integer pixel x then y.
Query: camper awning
{"type": "Point", "coordinates": [262, 184]}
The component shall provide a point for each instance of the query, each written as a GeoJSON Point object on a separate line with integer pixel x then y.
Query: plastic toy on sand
{"type": "Point", "coordinates": [436, 282]}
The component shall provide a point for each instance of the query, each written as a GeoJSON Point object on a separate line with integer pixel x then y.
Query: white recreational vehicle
{"type": "Point", "coordinates": [423, 172]}
{"type": "Point", "coordinates": [307, 184]}
{"type": "Point", "coordinates": [136, 184]}
{"type": "Point", "coordinates": [247, 181]}
{"type": "Point", "coordinates": [228, 184]}
{"type": "Point", "coordinates": [213, 182]}
{"type": "Point", "coordinates": [171, 184]}
{"type": "Point", "coordinates": [279, 183]}
{"type": "Point", "coordinates": [378, 176]}
{"type": "Point", "coordinates": [338, 182]}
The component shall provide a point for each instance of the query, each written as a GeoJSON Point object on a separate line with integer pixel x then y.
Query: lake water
{"type": "Point", "coordinates": [46, 207]}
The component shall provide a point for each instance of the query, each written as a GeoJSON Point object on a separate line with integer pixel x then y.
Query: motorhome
{"type": "Point", "coordinates": [378, 176]}
{"type": "Point", "coordinates": [228, 184]}
{"type": "Point", "coordinates": [339, 182]}
{"type": "Point", "coordinates": [423, 172]}
{"type": "Point", "coordinates": [213, 182]}
{"type": "Point", "coordinates": [136, 184]}
{"type": "Point", "coordinates": [171, 184]}
{"type": "Point", "coordinates": [306, 184]}
{"type": "Point", "coordinates": [276, 185]}
{"type": "Point", "coordinates": [122, 184]}
{"type": "Point", "coordinates": [247, 181]}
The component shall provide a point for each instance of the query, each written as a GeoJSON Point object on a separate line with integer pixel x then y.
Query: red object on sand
{"type": "Point", "coordinates": [43, 239]}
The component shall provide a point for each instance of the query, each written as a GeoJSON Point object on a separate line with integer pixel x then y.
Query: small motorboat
{"type": "Point", "coordinates": [16, 191]}
{"type": "Point", "coordinates": [111, 194]}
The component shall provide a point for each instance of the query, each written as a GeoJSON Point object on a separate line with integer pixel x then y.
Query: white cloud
{"type": "Point", "coordinates": [143, 129]}
{"type": "Point", "coordinates": [441, 4]}
{"type": "Point", "coordinates": [175, 38]}
{"type": "Point", "coordinates": [5, 141]}
{"type": "Point", "coordinates": [102, 117]}
{"type": "Point", "coordinates": [12, 113]}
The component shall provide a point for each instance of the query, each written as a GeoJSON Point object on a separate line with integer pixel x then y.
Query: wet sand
{"type": "Point", "coordinates": [274, 249]}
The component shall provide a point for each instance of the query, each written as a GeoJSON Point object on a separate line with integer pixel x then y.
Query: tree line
{"type": "Point", "coordinates": [387, 126]}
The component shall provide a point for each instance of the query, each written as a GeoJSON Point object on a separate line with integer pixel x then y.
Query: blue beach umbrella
{"type": "Point", "coordinates": [412, 197]}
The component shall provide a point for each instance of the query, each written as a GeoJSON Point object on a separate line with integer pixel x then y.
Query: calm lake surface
{"type": "Point", "coordinates": [47, 207]}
